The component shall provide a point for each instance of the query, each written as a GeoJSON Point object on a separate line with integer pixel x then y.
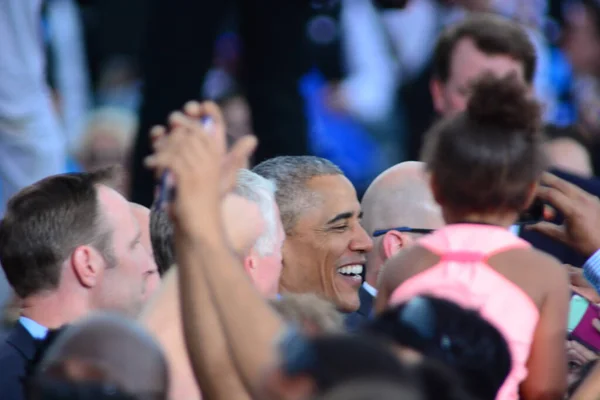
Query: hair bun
{"type": "Point", "coordinates": [504, 103]}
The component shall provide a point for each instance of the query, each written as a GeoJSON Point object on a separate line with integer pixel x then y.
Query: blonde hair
{"type": "Point", "coordinates": [119, 123]}
{"type": "Point", "coordinates": [309, 311]}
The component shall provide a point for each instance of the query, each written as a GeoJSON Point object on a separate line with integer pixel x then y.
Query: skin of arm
{"type": "Point", "coordinates": [236, 301]}
{"type": "Point", "coordinates": [547, 363]}
{"type": "Point", "coordinates": [162, 318]}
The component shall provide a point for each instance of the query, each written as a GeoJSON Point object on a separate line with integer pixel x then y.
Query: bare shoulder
{"type": "Point", "coordinates": [545, 265]}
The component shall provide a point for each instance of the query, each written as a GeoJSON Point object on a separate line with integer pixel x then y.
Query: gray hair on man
{"type": "Point", "coordinates": [291, 173]}
{"type": "Point", "coordinates": [261, 191]}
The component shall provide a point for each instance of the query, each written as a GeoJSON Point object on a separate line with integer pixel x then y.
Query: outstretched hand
{"type": "Point", "coordinates": [581, 210]}
{"type": "Point", "coordinates": [196, 156]}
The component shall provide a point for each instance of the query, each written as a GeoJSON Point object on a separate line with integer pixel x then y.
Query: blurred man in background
{"type": "Point", "coordinates": [32, 144]}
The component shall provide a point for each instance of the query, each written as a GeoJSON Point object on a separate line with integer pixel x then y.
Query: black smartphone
{"type": "Point", "coordinates": [534, 214]}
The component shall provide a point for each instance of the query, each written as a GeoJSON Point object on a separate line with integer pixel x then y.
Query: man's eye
{"type": "Point", "coordinates": [341, 228]}
{"type": "Point", "coordinates": [574, 366]}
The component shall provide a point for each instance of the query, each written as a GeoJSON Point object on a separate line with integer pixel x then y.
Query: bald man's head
{"type": "Point", "coordinates": [399, 197]}
{"type": "Point", "coordinates": [108, 349]}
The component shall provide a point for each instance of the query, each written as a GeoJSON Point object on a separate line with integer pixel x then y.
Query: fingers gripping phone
{"type": "Point", "coordinates": [534, 214]}
{"type": "Point", "coordinates": [166, 187]}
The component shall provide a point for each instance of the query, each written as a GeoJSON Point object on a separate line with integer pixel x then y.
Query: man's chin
{"type": "Point", "coordinates": [348, 305]}
{"type": "Point", "coordinates": [346, 293]}
{"type": "Point", "coordinates": [346, 302]}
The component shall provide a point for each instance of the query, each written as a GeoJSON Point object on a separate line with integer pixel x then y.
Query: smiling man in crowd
{"type": "Point", "coordinates": [325, 247]}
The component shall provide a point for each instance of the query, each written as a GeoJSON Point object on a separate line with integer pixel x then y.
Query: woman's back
{"type": "Point", "coordinates": [486, 268]}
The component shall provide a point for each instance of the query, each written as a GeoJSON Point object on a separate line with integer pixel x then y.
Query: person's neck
{"type": "Point", "coordinates": [371, 279]}
{"type": "Point", "coordinates": [504, 220]}
{"type": "Point", "coordinates": [53, 310]}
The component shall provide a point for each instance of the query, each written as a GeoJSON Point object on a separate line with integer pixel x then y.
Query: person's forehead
{"type": "Point", "coordinates": [333, 194]}
{"type": "Point", "coordinates": [141, 213]}
{"type": "Point", "coordinates": [115, 208]}
{"type": "Point", "coordinates": [468, 63]}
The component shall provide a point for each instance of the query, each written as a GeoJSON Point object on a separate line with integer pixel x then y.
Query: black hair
{"type": "Point", "coordinates": [331, 360]}
{"type": "Point", "coordinates": [487, 158]}
{"type": "Point", "coordinates": [161, 238]}
{"type": "Point", "coordinates": [457, 338]}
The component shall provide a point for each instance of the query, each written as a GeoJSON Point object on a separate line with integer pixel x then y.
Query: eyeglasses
{"type": "Point", "coordinates": [405, 229]}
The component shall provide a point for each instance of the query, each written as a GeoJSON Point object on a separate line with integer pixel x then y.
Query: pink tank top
{"type": "Point", "coordinates": [464, 277]}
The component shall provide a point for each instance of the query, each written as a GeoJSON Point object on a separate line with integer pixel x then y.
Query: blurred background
{"type": "Point", "coordinates": [347, 80]}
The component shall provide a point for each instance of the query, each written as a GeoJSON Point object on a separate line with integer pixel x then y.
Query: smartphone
{"type": "Point", "coordinates": [166, 186]}
{"type": "Point", "coordinates": [580, 326]}
{"type": "Point", "coordinates": [533, 215]}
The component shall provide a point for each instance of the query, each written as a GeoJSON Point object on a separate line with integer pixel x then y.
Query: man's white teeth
{"type": "Point", "coordinates": [351, 270]}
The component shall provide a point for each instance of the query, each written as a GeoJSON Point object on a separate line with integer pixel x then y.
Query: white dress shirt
{"type": "Point", "coordinates": [370, 289]}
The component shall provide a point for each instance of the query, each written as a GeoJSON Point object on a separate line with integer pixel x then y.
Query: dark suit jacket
{"type": "Point", "coordinates": [563, 253]}
{"type": "Point", "coordinates": [356, 319]}
{"type": "Point", "coordinates": [17, 349]}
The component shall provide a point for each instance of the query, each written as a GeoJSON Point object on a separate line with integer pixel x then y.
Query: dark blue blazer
{"type": "Point", "coordinates": [563, 253]}
{"type": "Point", "coordinates": [17, 349]}
{"type": "Point", "coordinates": [358, 318]}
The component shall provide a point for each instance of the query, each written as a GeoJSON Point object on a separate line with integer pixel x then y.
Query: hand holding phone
{"type": "Point", "coordinates": [193, 159]}
{"type": "Point", "coordinates": [534, 214]}
{"type": "Point", "coordinates": [581, 211]}
{"type": "Point", "coordinates": [166, 187]}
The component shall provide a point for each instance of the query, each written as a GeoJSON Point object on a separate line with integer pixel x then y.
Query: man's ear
{"type": "Point", "coordinates": [393, 242]}
{"type": "Point", "coordinates": [250, 263]}
{"type": "Point", "coordinates": [436, 88]}
{"type": "Point", "coordinates": [88, 265]}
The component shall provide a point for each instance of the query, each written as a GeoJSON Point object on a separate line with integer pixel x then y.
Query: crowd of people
{"type": "Point", "coordinates": [472, 274]}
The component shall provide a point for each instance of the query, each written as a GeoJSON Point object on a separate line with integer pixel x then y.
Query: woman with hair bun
{"type": "Point", "coordinates": [485, 165]}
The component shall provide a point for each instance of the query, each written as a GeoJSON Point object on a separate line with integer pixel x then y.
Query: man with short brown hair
{"type": "Point", "coordinates": [69, 244]}
{"type": "Point", "coordinates": [464, 52]}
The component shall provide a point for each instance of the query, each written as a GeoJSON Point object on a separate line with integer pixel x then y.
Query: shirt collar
{"type": "Point", "coordinates": [36, 330]}
{"type": "Point", "coordinates": [515, 229]}
{"type": "Point", "coordinates": [370, 289]}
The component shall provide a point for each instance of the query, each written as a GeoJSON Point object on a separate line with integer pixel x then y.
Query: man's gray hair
{"type": "Point", "coordinates": [261, 191]}
{"type": "Point", "coordinates": [290, 174]}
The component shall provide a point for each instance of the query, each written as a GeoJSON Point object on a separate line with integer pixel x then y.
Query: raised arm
{"type": "Point", "coordinates": [203, 174]}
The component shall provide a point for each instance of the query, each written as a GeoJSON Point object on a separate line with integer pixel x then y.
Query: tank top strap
{"type": "Point", "coordinates": [463, 256]}
{"type": "Point", "coordinates": [473, 243]}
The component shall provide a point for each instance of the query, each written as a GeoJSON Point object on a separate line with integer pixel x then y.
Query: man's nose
{"type": "Point", "coordinates": [362, 241]}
